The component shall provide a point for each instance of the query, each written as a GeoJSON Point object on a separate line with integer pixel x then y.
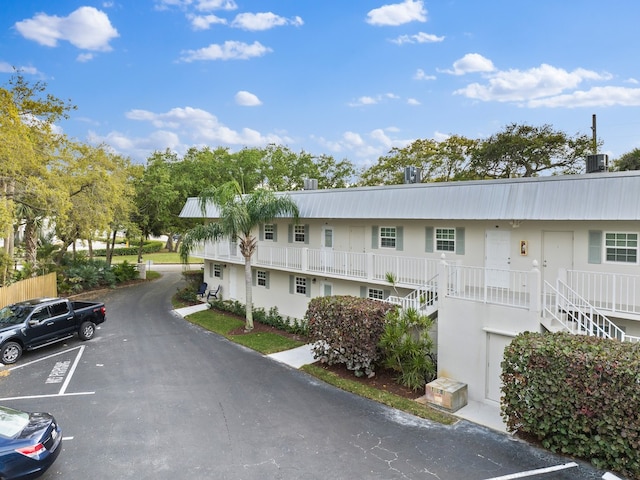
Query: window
{"type": "Point", "coordinates": [445, 239]}
{"type": "Point", "coordinates": [269, 232]}
{"type": "Point", "coordinates": [261, 278]}
{"type": "Point", "coordinates": [621, 247]}
{"type": "Point", "coordinates": [388, 237]}
{"type": "Point", "coordinates": [299, 233]}
{"type": "Point", "coordinates": [217, 270]}
{"type": "Point", "coordinates": [376, 294]}
{"type": "Point", "coordinates": [61, 308]}
{"type": "Point", "coordinates": [301, 285]}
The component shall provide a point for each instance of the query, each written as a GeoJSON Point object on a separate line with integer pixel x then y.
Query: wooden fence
{"type": "Point", "coordinates": [44, 286]}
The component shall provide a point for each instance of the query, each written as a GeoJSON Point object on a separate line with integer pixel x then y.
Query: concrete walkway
{"type": "Point", "coordinates": [486, 414]}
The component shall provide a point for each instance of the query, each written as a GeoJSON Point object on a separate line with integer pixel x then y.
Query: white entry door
{"type": "Point", "coordinates": [327, 247]}
{"type": "Point", "coordinates": [557, 253]}
{"type": "Point", "coordinates": [497, 258]}
{"type": "Point", "coordinates": [495, 354]}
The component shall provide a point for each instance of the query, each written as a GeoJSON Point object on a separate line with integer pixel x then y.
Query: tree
{"type": "Point", "coordinates": [238, 216]}
{"type": "Point", "coordinates": [527, 151]}
{"type": "Point", "coordinates": [628, 161]}
{"type": "Point", "coordinates": [442, 161]}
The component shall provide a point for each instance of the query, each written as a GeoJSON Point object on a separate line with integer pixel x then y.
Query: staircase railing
{"type": "Point", "coordinates": [576, 314]}
{"type": "Point", "coordinates": [424, 299]}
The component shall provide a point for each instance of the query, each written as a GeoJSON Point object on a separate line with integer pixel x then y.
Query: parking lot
{"type": "Point", "coordinates": [152, 396]}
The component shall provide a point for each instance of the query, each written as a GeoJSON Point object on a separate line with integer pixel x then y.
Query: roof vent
{"type": "Point", "coordinates": [310, 184]}
{"type": "Point", "coordinates": [412, 175]}
{"type": "Point", "coordinates": [597, 163]}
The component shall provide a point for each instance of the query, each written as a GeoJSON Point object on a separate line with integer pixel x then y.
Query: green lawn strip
{"type": "Point", "coordinates": [159, 258]}
{"type": "Point", "coordinates": [386, 398]}
{"type": "Point", "coordinates": [267, 343]}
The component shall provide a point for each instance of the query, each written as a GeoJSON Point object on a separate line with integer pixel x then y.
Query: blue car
{"type": "Point", "coordinates": [29, 443]}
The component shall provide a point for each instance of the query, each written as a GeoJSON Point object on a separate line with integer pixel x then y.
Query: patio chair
{"type": "Point", "coordinates": [202, 289]}
{"type": "Point", "coordinates": [214, 293]}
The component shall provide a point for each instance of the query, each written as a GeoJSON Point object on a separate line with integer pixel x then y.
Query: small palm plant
{"type": "Point", "coordinates": [407, 347]}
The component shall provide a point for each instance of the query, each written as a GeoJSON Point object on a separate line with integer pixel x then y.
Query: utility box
{"type": "Point", "coordinates": [446, 394]}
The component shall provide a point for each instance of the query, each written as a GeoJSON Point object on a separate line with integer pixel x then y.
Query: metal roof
{"type": "Point", "coordinates": [593, 196]}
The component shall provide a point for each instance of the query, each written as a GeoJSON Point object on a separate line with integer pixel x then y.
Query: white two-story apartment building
{"type": "Point", "coordinates": [489, 259]}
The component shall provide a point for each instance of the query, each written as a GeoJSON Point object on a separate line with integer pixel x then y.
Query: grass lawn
{"type": "Point", "coordinates": [156, 258]}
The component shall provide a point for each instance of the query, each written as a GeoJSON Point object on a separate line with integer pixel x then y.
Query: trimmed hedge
{"type": "Point", "coordinates": [346, 329]}
{"type": "Point", "coordinates": [152, 246]}
{"type": "Point", "coordinates": [580, 396]}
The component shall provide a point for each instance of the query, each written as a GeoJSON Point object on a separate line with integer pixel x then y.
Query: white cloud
{"type": "Point", "coordinates": [413, 101]}
{"type": "Point", "coordinates": [263, 21]}
{"type": "Point", "coordinates": [209, 5]}
{"type": "Point", "coordinates": [204, 22]}
{"type": "Point", "coordinates": [200, 5]}
{"type": "Point", "coordinates": [247, 99]}
{"type": "Point", "coordinates": [368, 100]}
{"type": "Point", "coordinates": [420, 37]}
{"type": "Point", "coordinates": [594, 97]}
{"type": "Point", "coordinates": [8, 68]}
{"type": "Point", "coordinates": [398, 13]}
{"type": "Point", "coordinates": [201, 127]}
{"type": "Point", "coordinates": [86, 28]}
{"type": "Point", "coordinates": [230, 50]}
{"type": "Point", "coordinates": [420, 75]}
{"type": "Point", "coordinates": [471, 63]}
{"type": "Point", "coordinates": [522, 85]}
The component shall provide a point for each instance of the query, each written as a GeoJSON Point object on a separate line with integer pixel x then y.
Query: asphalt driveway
{"type": "Point", "coordinates": [154, 397]}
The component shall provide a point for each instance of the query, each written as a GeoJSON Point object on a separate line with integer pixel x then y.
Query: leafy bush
{"type": "Point", "coordinates": [83, 274]}
{"type": "Point", "coordinates": [271, 318]}
{"type": "Point", "coordinates": [124, 271]}
{"type": "Point", "coordinates": [407, 347]}
{"type": "Point", "coordinates": [346, 329]}
{"type": "Point", "coordinates": [578, 395]}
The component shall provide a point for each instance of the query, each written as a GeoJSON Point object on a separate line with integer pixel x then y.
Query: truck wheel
{"type": "Point", "coordinates": [10, 353]}
{"type": "Point", "coordinates": [87, 331]}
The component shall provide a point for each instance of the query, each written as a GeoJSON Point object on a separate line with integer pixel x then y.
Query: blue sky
{"type": "Point", "coordinates": [347, 78]}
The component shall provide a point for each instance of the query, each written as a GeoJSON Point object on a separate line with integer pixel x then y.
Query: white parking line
{"type": "Point", "coordinates": [69, 374]}
{"type": "Point", "coordinates": [531, 473]}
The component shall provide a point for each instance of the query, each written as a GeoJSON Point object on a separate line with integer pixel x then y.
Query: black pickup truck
{"type": "Point", "coordinates": [39, 322]}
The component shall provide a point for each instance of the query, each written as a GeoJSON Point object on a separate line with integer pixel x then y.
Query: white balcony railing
{"type": "Point", "coordinates": [612, 292]}
{"type": "Point", "coordinates": [577, 315]}
{"type": "Point", "coordinates": [489, 285]}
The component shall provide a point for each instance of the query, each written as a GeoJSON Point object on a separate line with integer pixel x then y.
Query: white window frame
{"type": "Point", "coordinates": [261, 278]}
{"type": "Point", "coordinates": [616, 246]}
{"type": "Point", "coordinates": [440, 241]}
{"type": "Point", "coordinates": [269, 232]}
{"type": "Point", "coordinates": [217, 270]}
{"type": "Point", "coordinates": [375, 293]}
{"type": "Point", "coordinates": [388, 237]}
{"type": "Point", "coordinates": [299, 234]}
{"type": "Point", "coordinates": [300, 286]}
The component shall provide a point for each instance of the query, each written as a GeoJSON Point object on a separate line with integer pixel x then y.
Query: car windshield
{"type": "Point", "coordinates": [12, 422]}
{"type": "Point", "coordinates": [14, 314]}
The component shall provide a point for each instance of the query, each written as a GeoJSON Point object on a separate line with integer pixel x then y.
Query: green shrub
{"type": "Point", "coordinates": [124, 271]}
{"type": "Point", "coordinates": [407, 347]}
{"type": "Point", "coordinates": [272, 317]}
{"type": "Point", "coordinates": [580, 396]}
{"type": "Point", "coordinates": [346, 330]}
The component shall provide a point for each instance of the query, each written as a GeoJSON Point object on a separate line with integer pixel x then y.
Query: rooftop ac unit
{"type": "Point", "coordinates": [310, 184]}
{"type": "Point", "coordinates": [597, 163]}
{"type": "Point", "coordinates": [412, 175]}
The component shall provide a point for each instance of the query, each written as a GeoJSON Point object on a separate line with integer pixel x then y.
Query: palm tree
{"type": "Point", "coordinates": [238, 216]}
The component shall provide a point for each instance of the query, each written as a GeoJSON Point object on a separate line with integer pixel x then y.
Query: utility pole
{"type": "Point", "coordinates": [594, 137]}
